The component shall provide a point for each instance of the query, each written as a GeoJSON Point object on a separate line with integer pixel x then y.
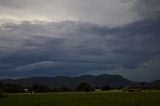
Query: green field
{"type": "Point", "coordinates": [83, 99]}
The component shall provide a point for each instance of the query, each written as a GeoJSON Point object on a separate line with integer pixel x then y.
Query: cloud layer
{"type": "Point", "coordinates": [105, 12]}
{"type": "Point", "coordinates": [71, 37]}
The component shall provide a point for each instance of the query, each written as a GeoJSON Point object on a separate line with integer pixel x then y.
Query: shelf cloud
{"type": "Point", "coordinates": [71, 37]}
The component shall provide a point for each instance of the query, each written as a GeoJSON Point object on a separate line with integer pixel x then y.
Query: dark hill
{"type": "Point", "coordinates": [155, 84]}
{"type": "Point", "coordinates": [73, 82]}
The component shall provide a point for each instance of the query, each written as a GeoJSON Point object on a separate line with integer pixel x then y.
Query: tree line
{"type": "Point", "coordinates": [15, 88]}
{"type": "Point", "coordinates": [83, 87]}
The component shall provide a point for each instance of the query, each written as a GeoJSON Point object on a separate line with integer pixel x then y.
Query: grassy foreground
{"type": "Point", "coordinates": [83, 99]}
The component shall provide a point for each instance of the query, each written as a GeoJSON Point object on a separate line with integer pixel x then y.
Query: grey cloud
{"type": "Point", "coordinates": [39, 65]}
{"type": "Point", "coordinates": [104, 12]}
{"type": "Point", "coordinates": [148, 8]}
{"type": "Point", "coordinates": [23, 3]}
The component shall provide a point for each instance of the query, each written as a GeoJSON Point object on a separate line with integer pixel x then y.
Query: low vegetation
{"type": "Point", "coordinates": [83, 99]}
{"type": "Point", "coordinates": [83, 95]}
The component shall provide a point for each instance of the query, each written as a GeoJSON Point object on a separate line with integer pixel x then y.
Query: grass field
{"type": "Point", "coordinates": [83, 99]}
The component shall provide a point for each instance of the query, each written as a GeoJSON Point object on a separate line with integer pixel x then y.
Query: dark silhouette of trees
{"type": "Point", "coordinates": [40, 88]}
{"type": "Point", "coordinates": [2, 93]}
{"type": "Point", "coordinates": [12, 88]}
{"type": "Point", "coordinates": [84, 87]}
{"type": "Point", "coordinates": [65, 89]}
{"type": "Point", "coordinates": [104, 88]}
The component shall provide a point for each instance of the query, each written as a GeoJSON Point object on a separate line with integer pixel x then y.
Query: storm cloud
{"type": "Point", "coordinates": [71, 37]}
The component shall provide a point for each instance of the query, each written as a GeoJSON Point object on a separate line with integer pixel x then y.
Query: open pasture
{"type": "Point", "coordinates": [83, 99]}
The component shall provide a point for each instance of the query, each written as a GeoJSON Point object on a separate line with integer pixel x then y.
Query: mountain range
{"type": "Point", "coordinates": [73, 82]}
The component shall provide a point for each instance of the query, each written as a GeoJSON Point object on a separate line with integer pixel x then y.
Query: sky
{"type": "Point", "coordinates": [80, 37]}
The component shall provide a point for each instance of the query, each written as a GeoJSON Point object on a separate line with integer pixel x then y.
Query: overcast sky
{"type": "Point", "coordinates": [79, 37]}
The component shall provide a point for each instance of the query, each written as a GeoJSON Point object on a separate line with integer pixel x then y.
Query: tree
{"type": "Point", "coordinates": [12, 88]}
{"type": "Point", "coordinates": [84, 87]}
{"type": "Point", "coordinates": [65, 89]}
{"type": "Point", "coordinates": [2, 94]}
{"type": "Point", "coordinates": [40, 88]}
{"type": "Point", "coordinates": [107, 87]}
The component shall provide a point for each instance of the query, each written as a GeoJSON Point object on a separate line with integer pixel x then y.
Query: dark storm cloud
{"type": "Point", "coordinates": [74, 48]}
{"type": "Point", "coordinates": [126, 44]}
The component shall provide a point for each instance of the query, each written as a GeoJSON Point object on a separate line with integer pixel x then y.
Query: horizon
{"type": "Point", "coordinates": [77, 77]}
{"type": "Point", "coordinates": [73, 38]}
